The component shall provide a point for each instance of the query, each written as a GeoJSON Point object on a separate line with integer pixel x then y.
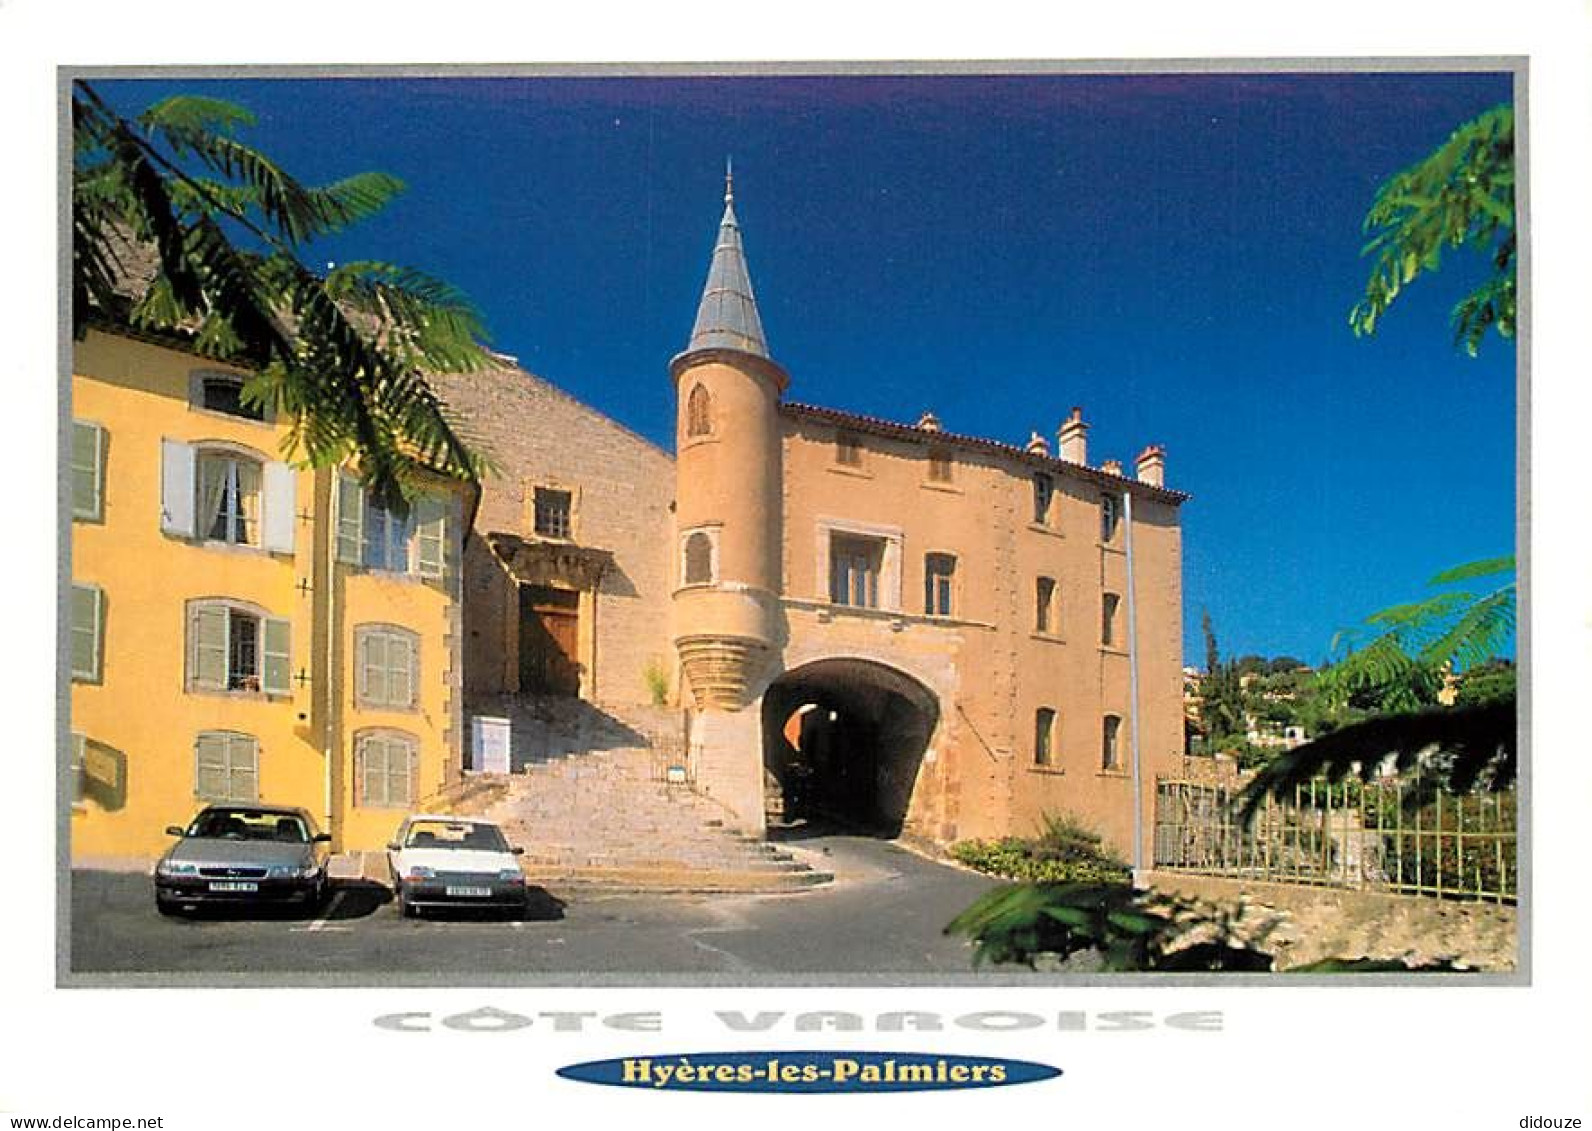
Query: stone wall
{"type": "Point", "coordinates": [622, 487]}
{"type": "Point", "coordinates": [1300, 925]}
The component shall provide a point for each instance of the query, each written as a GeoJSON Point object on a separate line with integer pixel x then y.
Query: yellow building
{"type": "Point", "coordinates": [242, 629]}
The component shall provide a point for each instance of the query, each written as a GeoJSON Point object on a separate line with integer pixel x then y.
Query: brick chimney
{"type": "Point", "coordinates": [929, 422]}
{"type": "Point", "coordinates": [1151, 466]}
{"type": "Point", "coordinates": [1037, 445]}
{"type": "Point", "coordinates": [1111, 466]}
{"type": "Point", "coordinates": [1072, 438]}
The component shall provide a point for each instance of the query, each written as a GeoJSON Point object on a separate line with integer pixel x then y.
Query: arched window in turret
{"type": "Point", "coordinates": [699, 412]}
{"type": "Point", "coordinates": [700, 558]}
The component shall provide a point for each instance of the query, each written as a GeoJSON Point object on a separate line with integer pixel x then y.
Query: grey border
{"type": "Point", "coordinates": [1517, 65]}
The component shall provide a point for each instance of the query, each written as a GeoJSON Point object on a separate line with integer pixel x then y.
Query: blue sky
{"type": "Point", "coordinates": [1175, 253]}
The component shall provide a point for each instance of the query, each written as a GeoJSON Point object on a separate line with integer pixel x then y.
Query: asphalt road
{"type": "Point", "coordinates": [882, 919]}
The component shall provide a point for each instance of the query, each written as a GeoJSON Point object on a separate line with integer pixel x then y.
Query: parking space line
{"type": "Point", "coordinates": [320, 924]}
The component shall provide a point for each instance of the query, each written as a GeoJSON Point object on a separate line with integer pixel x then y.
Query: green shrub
{"type": "Point", "coordinates": [656, 676]}
{"type": "Point", "coordinates": [1065, 851]}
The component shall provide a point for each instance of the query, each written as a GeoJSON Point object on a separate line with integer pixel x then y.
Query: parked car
{"type": "Point", "coordinates": [243, 854]}
{"type": "Point", "coordinates": [444, 861]}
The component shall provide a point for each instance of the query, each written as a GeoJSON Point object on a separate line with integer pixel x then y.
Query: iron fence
{"type": "Point", "coordinates": [1393, 836]}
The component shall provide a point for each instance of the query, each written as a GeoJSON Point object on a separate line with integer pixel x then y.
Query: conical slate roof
{"type": "Point", "coordinates": [727, 316]}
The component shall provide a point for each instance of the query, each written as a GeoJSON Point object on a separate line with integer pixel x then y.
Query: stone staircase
{"type": "Point", "coordinates": [593, 802]}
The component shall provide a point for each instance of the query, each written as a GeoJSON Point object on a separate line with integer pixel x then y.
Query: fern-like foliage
{"type": "Point", "coordinates": [1460, 195]}
{"type": "Point", "coordinates": [341, 358]}
{"type": "Point", "coordinates": [1404, 655]}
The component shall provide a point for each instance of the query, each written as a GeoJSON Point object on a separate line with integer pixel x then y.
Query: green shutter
{"type": "Point", "coordinates": [350, 519]}
{"type": "Point", "coordinates": [431, 537]}
{"type": "Point", "coordinates": [402, 662]}
{"type": "Point", "coordinates": [374, 667]}
{"type": "Point", "coordinates": [276, 665]}
{"type": "Point", "coordinates": [209, 670]}
{"type": "Point", "coordinates": [243, 772]}
{"type": "Point", "coordinates": [88, 470]}
{"type": "Point", "coordinates": [88, 617]}
{"type": "Point", "coordinates": [210, 767]}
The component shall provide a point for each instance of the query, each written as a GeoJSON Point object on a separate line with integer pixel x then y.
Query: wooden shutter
{"type": "Point", "coordinates": [431, 537]}
{"type": "Point", "coordinates": [88, 620]}
{"type": "Point", "coordinates": [208, 664]}
{"type": "Point", "coordinates": [88, 470]}
{"type": "Point", "coordinates": [176, 488]}
{"type": "Point", "coordinates": [412, 770]}
{"type": "Point", "coordinates": [350, 519]}
{"type": "Point", "coordinates": [278, 520]}
{"type": "Point", "coordinates": [403, 662]}
{"type": "Point", "coordinates": [210, 767]}
{"type": "Point", "coordinates": [276, 661]}
{"type": "Point", "coordinates": [243, 767]}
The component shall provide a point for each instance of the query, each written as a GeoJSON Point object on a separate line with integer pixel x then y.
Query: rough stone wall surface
{"type": "Point", "coordinates": [1300, 925]}
{"type": "Point", "coordinates": [622, 487]}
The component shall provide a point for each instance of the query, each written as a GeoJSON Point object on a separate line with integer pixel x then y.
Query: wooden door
{"type": "Point", "coordinates": [549, 641]}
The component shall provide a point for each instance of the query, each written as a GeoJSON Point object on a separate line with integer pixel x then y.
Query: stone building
{"type": "Point", "coordinates": [926, 633]}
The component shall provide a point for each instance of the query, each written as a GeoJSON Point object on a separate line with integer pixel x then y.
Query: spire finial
{"type": "Point", "coordinates": [729, 181]}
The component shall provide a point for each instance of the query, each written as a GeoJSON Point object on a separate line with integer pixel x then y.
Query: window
{"type": "Point", "coordinates": [939, 465]}
{"type": "Point", "coordinates": [385, 769]}
{"type": "Point", "coordinates": [1044, 736]}
{"type": "Point", "coordinates": [1044, 491]}
{"type": "Point", "coordinates": [939, 572]}
{"type": "Point", "coordinates": [552, 513]}
{"type": "Point", "coordinates": [88, 632]}
{"type": "Point", "coordinates": [1044, 602]}
{"type": "Point", "coordinates": [387, 666]}
{"type": "Point", "coordinates": [848, 449]}
{"type": "Point", "coordinates": [88, 471]}
{"type": "Point", "coordinates": [700, 559]}
{"type": "Point", "coordinates": [383, 538]}
{"type": "Point", "coordinates": [220, 494]}
{"type": "Point", "coordinates": [231, 648]}
{"type": "Point", "coordinates": [1108, 518]}
{"type": "Point", "coordinates": [855, 563]}
{"type": "Point", "coordinates": [699, 412]}
{"type": "Point", "coordinates": [1108, 619]}
{"type": "Point", "coordinates": [1110, 759]}
{"type": "Point", "coordinates": [229, 498]}
{"type": "Point", "coordinates": [223, 392]}
{"type": "Point", "coordinates": [387, 537]}
{"type": "Point", "coordinates": [226, 766]}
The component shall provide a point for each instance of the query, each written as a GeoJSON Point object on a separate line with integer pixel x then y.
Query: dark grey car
{"type": "Point", "coordinates": [242, 855]}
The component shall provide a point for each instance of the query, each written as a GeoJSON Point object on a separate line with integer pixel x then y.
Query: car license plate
{"type": "Point", "coordinates": [469, 892]}
{"type": "Point", "coordinates": [234, 885]}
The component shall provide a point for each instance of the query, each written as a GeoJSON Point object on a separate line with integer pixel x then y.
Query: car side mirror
{"type": "Point", "coordinates": [517, 850]}
{"type": "Point", "coordinates": [173, 830]}
{"type": "Point", "coordinates": [394, 846]}
{"type": "Point", "coordinates": [321, 838]}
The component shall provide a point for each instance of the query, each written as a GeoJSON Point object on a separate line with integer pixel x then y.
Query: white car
{"type": "Point", "coordinates": [444, 861]}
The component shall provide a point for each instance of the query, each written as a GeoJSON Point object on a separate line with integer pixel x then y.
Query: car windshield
{"type": "Point", "coordinates": [249, 824]}
{"type": "Point", "coordinates": [455, 834]}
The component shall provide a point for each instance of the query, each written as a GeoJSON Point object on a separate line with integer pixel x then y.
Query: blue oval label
{"type": "Point", "coordinates": [808, 1071]}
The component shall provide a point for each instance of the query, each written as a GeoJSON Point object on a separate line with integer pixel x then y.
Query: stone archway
{"type": "Point", "coordinates": [843, 739]}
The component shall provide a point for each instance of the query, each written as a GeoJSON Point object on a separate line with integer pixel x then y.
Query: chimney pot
{"type": "Point", "coordinates": [929, 422]}
{"type": "Point", "coordinates": [1112, 467]}
{"type": "Point", "coordinates": [1038, 445]}
{"type": "Point", "coordinates": [1151, 466]}
{"type": "Point", "coordinates": [1072, 438]}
